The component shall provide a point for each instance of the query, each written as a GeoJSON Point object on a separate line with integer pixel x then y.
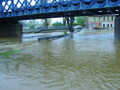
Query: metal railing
{"type": "Point", "coordinates": [53, 27]}
{"type": "Point", "coordinates": [45, 28]}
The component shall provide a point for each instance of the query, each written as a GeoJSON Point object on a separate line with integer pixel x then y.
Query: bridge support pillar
{"type": "Point", "coordinates": [117, 27]}
{"type": "Point", "coordinates": [10, 29]}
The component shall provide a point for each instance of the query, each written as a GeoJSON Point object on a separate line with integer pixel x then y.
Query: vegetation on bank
{"type": "Point", "coordinates": [65, 32]}
{"type": "Point", "coordinates": [32, 24]}
{"type": "Point", "coordinates": [97, 28]}
{"type": "Point", "coordinates": [79, 21]}
{"type": "Point", "coordinates": [57, 24]}
{"type": "Point", "coordinates": [8, 53]}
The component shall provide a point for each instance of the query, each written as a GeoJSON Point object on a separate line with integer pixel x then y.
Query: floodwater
{"type": "Point", "coordinates": [90, 60]}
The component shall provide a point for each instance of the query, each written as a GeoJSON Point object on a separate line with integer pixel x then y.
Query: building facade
{"type": "Point", "coordinates": [105, 21]}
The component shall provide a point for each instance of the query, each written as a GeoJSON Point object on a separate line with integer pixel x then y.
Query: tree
{"type": "Point", "coordinates": [23, 23]}
{"type": "Point", "coordinates": [80, 21]}
{"type": "Point", "coordinates": [64, 21]}
{"type": "Point", "coordinates": [46, 22]}
{"type": "Point", "coordinates": [70, 21]}
{"type": "Point", "coordinates": [31, 26]}
{"type": "Point", "coordinates": [57, 24]}
{"type": "Point", "coordinates": [32, 23]}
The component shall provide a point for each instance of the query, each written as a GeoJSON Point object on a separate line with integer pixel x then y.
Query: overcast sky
{"type": "Point", "coordinates": [53, 20]}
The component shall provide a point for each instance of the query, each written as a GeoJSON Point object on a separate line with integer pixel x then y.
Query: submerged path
{"type": "Point", "coordinates": [55, 37]}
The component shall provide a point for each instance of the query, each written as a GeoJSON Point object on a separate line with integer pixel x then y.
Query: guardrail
{"type": "Point", "coordinates": [45, 28]}
{"type": "Point", "coordinates": [54, 27]}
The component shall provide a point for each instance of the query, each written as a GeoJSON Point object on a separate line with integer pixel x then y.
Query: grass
{"type": "Point", "coordinates": [65, 32]}
{"type": "Point", "coordinates": [7, 54]}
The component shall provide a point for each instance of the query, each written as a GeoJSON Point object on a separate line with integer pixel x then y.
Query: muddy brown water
{"type": "Point", "coordinates": [90, 60]}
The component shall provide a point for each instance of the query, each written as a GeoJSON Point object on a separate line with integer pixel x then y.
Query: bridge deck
{"type": "Point", "coordinates": [62, 8]}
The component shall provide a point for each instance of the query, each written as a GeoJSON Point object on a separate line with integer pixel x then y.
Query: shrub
{"type": "Point", "coordinates": [97, 28]}
{"type": "Point", "coordinates": [76, 24]}
{"type": "Point", "coordinates": [57, 24]}
{"type": "Point", "coordinates": [65, 32]}
{"type": "Point", "coordinates": [28, 29]}
{"type": "Point", "coordinates": [106, 28]}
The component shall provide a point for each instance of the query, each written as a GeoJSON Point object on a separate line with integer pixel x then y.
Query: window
{"type": "Point", "coordinates": [103, 25]}
{"type": "Point", "coordinates": [90, 18]}
{"type": "Point", "coordinates": [107, 25]}
{"type": "Point", "coordinates": [111, 25]}
{"type": "Point", "coordinates": [108, 18]}
{"type": "Point", "coordinates": [99, 18]}
{"type": "Point", "coordinates": [112, 18]}
{"type": "Point", "coordinates": [94, 19]}
{"type": "Point", "coordinates": [99, 23]}
{"type": "Point", "coordinates": [104, 18]}
{"type": "Point", "coordinates": [94, 25]}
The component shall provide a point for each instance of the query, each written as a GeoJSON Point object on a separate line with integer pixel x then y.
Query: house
{"type": "Point", "coordinates": [101, 21]}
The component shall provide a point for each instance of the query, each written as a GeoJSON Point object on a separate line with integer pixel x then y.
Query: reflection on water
{"type": "Point", "coordinates": [87, 61]}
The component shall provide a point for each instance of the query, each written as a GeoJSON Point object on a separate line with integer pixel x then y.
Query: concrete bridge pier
{"type": "Point", "coordinates": [117, 27]}
{"type": "Point", "coordinates": [10, 28]}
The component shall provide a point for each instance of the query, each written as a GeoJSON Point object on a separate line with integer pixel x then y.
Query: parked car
{"type": "Point", "coordinates": [78, 27]}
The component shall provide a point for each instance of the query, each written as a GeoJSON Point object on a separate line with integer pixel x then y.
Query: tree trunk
{"type": "Point", "coordinates": [46, 23]}
{"type": "Point", "coordinates": [64, 21]}
{"type": "Point", "coordinates": [70, 21]}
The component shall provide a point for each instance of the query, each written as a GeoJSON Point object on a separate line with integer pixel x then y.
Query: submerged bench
{"type": "Point", "coordinates": [53, 37]}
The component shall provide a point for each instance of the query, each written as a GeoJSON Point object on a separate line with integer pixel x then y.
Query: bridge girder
{"type": "Point", "coordinates": [25, 10]}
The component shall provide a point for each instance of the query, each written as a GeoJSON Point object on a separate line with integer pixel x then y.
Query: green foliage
{"type": "Point", "coordinates": [28, 29]}
{"type": "Point", "coordinates": [64, 21]}
{"type": "Point", "coordinates": [57, 24]}
{"type": "Point", "coordinates": [46, 22]}
{"type": "Point", "coordinates": [80, 20]}
{"type": "Point", "coordinates": [23, 23]}
{"type": "Point", "coordinates": [76, 24]}
{"type": "Point", "coordinates": [31, 26]}
{"type": "Point", "coordinates": [7, 54]}
{"type": "Point", "coordinates": [65, 32]}
{"type": "Point", "coordinates": [32, 23]}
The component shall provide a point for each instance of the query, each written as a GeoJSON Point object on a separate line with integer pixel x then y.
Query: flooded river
{"type": "Point", "coordinates": [90, 60]}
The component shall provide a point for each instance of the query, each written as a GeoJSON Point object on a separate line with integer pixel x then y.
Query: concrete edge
{"type": "Point", "coordinates": [55, 37]}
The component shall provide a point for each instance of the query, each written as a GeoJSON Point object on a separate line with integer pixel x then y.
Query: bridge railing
{"type": "Point", "coordinates": [9, 8]}
{"type": "Point", "coordinates": [54, 27]}
{"type": "Point", "coordinates": [45, 28]}
{"type": "Point", "coordinates": [10, 5]}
